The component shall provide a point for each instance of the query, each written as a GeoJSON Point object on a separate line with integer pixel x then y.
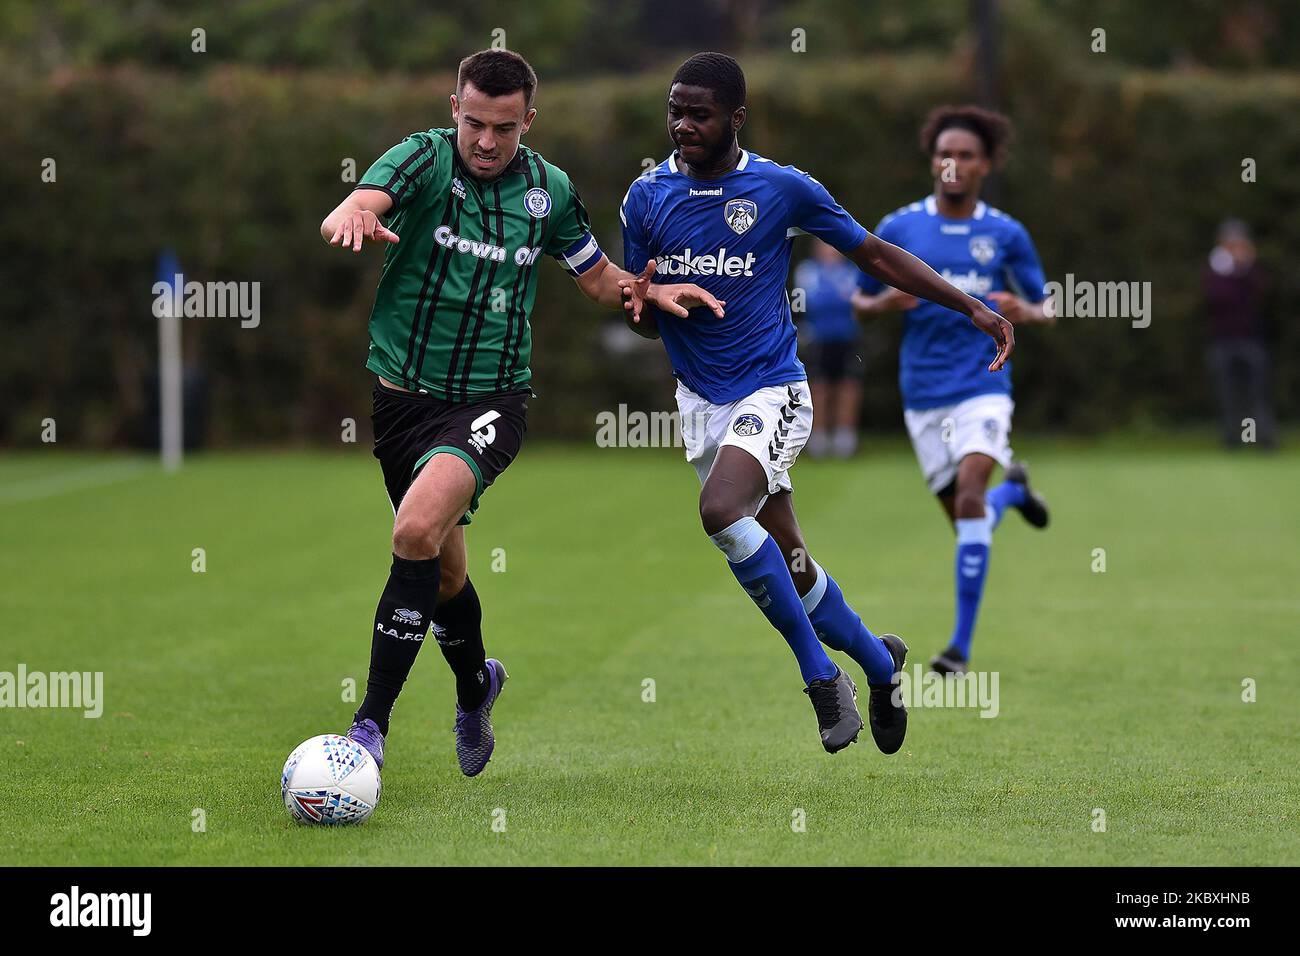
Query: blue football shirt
{"type": "Point", "coordinates": [731, 236]}
{"type": "Point", "coordinates": [828, 298]}
{"type": "Point", "coordinates": [944, 358]}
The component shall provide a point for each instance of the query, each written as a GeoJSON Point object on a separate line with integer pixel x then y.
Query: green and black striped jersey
{"type": "Point", "coordinates": [452, 309]}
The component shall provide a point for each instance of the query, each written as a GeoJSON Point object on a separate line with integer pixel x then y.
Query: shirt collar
{"type": "Point", "coordinates": [744, 161]}
{"type": "Point", "coordinates": [932, 207]}
{"type": "Point", "coordinates": [516, 164]}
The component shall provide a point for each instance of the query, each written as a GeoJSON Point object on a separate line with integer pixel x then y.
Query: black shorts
{"type": "Point", "coordinates": [834, 362]}
{"type": "Point", "coordinates": [411, 428]}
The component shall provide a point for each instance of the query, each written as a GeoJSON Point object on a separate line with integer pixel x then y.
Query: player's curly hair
{"type": "Point", "coordinates": [993, 129]}
{"type": "Point", "coordinates": [716, 72]}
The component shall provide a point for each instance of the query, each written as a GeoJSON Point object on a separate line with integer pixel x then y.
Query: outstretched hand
{"type": "Point", "coordinates": [634, 291]}
{"type": "Point", "coordinates": [676, 299]}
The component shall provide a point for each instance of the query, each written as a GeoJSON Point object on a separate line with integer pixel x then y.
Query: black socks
{"type": "Point", "coordinates": [401, 621]}
{"type": "Point", "coordinates": [407, 607]}
{"type": "Point", "coordinates": [457, 626]}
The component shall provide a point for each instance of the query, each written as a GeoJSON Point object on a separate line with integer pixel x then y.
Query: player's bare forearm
{"type": "Point", "coordinates": [863, 305]}
{"type": "Point", "coordinates": [608, 285]}
{"type": "Point", "coordinates": [603, 284]}
{"type": "Point", "coordinates": [897, 267]}
{"type": "Point", "coordinates": [1037, 313]}
{"type": "Point", "coordinates": [1032, 313]}
{"type": "Point", "coordinates": [1020, 311]}
{"type": "Point", "coordinates": [888, 302]}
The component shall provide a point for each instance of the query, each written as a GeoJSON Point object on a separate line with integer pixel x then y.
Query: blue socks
{"type": "Point", "coordinates": [840, 628]}
{"type": "Point", "coordinates": [823, 616]}
{"type": "Point", "coordinates": [1009, 494]}
{"type": "Point", "coordinates": [759, 566]}
{"type": "Point", "coordinates": [974, 537]}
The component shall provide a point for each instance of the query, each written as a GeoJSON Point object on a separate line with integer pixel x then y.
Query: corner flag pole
{"type": "Point", "coordinates": [170, 395]}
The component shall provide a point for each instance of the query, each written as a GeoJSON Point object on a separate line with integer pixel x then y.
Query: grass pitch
{"type": "Point", "coordinates": [1119, 690]}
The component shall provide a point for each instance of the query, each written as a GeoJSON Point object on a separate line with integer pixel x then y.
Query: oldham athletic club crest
{"type": "Point", "coordinates": [747, 425]}
{"type": "Point", "coordinates": [538, 202]}
{"type": "Point", "coordinates": [983, 249]}
{"type": "Point", "coordinates": [740, 214]}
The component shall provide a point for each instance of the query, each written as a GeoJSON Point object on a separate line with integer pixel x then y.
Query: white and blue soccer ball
{"type": "Point", "coordinates": [330, 780]}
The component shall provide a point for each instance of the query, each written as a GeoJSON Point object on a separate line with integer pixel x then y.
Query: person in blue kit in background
{"type": "Point", "coordinates": [958, 413]}
{"type": "Point", "coordinates": [834, 360]}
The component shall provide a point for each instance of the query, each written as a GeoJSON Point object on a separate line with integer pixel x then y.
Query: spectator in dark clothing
{"type": "Point", "coordinates": [1233, 286]}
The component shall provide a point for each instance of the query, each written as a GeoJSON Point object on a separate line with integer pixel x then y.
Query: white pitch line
{"type": "Point", "coordinates": [94, 476]}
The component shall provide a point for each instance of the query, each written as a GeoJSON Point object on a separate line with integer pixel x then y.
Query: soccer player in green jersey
{"type": "Point", "coordinates": [450, 343]}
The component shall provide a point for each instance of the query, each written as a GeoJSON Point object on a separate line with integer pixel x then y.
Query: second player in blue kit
{"type": "Point", "coordinates": [958, 414]}
{"type": "Point", "coordinates": [724, 218]}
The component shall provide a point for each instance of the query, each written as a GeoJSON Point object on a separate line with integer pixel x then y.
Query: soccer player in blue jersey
{"type": "Point", "coordinates": [723, 217]}
{"type": "Point", "coordinates": [828, 282]}
{"type": "Point", "coordinates": [958, 413]}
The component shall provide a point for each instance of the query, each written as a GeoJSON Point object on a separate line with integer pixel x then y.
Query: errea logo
{"type": "Point", "coordinates": [715, 264]}
{"type": "Point", "coordinates": [483, 432]}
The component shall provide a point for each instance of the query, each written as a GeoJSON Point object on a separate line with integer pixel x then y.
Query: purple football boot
{"type": "Point", "coordinates": [474, 740]}
{"type": "Point", "coordinates": [366, 733]}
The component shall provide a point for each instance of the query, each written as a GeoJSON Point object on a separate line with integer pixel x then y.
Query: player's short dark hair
{"type": "Point", "coordinates": [717, 73]}
{"type": "Point", "coordinates": [993, 129]}
{"type": "Point", "coordinates": [497, 73]}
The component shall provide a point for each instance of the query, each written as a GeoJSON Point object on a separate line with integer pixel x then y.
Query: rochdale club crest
{"type": "Point", "coordinates": [983, 249]}
{"type": "Point", "coordinates": [747, 425]}
{"type": "Point", "coordinates": [740, 214]}
{"type": "Point", "coordinates": [538, 202]}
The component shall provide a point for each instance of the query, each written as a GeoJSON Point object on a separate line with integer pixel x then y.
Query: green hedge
{"type": "Point", "coordinates": [1118, 175]}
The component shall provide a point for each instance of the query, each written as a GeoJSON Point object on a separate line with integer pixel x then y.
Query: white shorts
{"type": "Point", "coordinates": [772, 424]}
{"type": "Point", "coordinates": [942, 437]}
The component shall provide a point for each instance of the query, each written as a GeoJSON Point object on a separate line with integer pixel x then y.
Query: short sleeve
{"type": "Point", "coordinates": [636, 243]}
{"type": "Point", "coordinates": [1024, 266]}
{"type": "Point", "coordinates": [405, 169]}
{"type": "Point", "coordinates": [572, 243]}
{"type": "Point", "coordinates": [813, 210]}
